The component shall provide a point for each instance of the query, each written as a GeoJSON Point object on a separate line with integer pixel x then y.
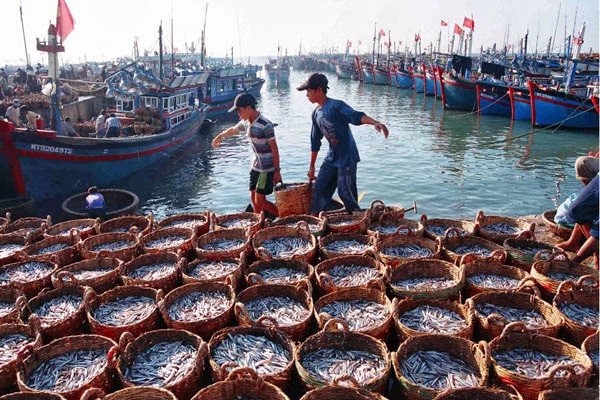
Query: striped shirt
{"type": "Point", "coordinates": [260, 132]}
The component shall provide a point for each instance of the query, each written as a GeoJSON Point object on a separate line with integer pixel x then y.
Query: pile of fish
{"type": "Point", "coordinates": [420, 284]}
{"type": "Point", "coordinates": [407, 251]}
{"type": "Point", "coordinates": [286, 246]}
{"type": "Point", "coordinates": [55, 248]}
{"type": "Point", "coordinates": [347, 247]}
{"type": "Point", "coordinates": [433, 319]}
{"type": "Point", "coordinates": [281, 275]}
{"type": "Point", "coordinates": [531, 318]}
{"type": "Point", "coordinates": [124, 311]}
{"type": "Point", "coordinates": [493, 281]}
{"type": "Point", "coordinates": [212, 269]}
{"type": "Point", "coordinates": [359, 314]}
{"type": "Point", "coordinates": [10, 345]}
{"type": "Point", "coordinates": [350, 275]}
{"type": "Point", "coordinates": [285, 310]}
{"type": "Point", "coordinates": [222, 245]}
{"type": "Point", "coordinates": [439, 370]}
{"type": "Point", "coordinates": [533, 363]}
{"type": "Point", "coordinates": [166, 242]}
{"type": "Point", "coordinates": [197, 306]}
{"type": "Point", "coordinates": [326, 364]}
{"type": "Point", "coordinates": [113, 246]}
{"type": "Point", "coordinates": [58, 309]}
{"type": "Point", "coordinates": [28, 271]}
{"type": "Point", "coordinates": [151, 272]}
{"type": "Point", "coordinates": [161, 364]}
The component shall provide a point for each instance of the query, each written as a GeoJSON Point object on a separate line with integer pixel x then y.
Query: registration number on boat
{"type": "Point", "coordinates": [51, 149]}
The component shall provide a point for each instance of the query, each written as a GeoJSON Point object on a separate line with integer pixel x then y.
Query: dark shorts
{"type": "Point", "coordinates": [261, 182]}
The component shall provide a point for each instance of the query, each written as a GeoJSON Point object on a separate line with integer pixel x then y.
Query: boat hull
{"type": "Point", "coordinates": [404, 80]}
{"type": "Point", "coordinates": [520, 104]}
{"type": "Point", "coordinates": [493, 100]}
{"type": "Point", "coordinates": [458, 94]}
{"type": "Point", "coordinates": [419, 80]}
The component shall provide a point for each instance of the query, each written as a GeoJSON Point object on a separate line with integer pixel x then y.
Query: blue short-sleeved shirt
{"type": "Point", "coordinates": [332, 122]}
{"type": "Point", "coordinates": [584, 209]}
{"type": "Point", "coordinates": [260, 132]}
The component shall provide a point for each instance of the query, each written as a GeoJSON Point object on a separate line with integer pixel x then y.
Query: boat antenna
{"type": "Point", "coordinates": [23, 28]}
{"type": "Point", "coordinates": [555, 27]}
{"type": "Point", "coordinates": [160, 56]}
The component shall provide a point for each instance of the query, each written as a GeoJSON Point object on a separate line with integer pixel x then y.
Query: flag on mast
{"type": "Point", "coordinates": [64, 20]}
{"type": "Point", "coordinates": [444, 23]}
{"type": "Point", "coordinates": [469, 23]}
{"type": "Point", "coordinates": [458, 30]}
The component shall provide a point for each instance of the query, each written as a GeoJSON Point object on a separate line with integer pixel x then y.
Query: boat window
{"type": "Point", "coordinates": [165, 105]}
{"type": "Point", "coordinates": [124, 105]}
{"type": "Point", "coordinates": [150, 102]}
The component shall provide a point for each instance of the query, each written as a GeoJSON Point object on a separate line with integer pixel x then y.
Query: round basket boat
{"type": "Point", "coordinates": [498, 228]}
{"type": "Point", "coordinates": [436, 227]}
{"type": "Point", "coordinates": [118, 202]}
{"type": "Point", "coordinates": [200, 223]}
{"type": "Point", "coordinates": [426, 279]}
{"type": "Point", "coordinates": [85, 226]}
{"type": "Point", "coordinates": [561, 231]}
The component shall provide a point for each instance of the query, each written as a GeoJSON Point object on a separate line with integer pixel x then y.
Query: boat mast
{"type": "Point", "coordinates": [160, 54]}
{"type": "Point", "coordinates": [23, 28]}
{"type": "Point", "coordinates": [555, 27]}
{"type": "Point", "coordinates": [172, 46]}
{"type": "Point", "coordinates": [203, 47]}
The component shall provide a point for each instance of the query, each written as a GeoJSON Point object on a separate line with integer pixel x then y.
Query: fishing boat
{"type": "Point", "coordinates": [458, 89]}
{"type": "Point", "coordinates": [493, 98]}
{"type": "Point", "coordinates": [404, 79]}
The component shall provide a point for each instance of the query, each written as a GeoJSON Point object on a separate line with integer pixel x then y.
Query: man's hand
{"type": "Point", "coordinates": [311, 174]}
{"type": "Point", "coordinates": [379, 127]}
{"type": "Point", "coordinates": [216, 142]}
{"type": "Point", "coordinates": [277, 177]}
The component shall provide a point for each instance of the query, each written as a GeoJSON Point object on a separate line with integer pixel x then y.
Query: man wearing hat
{"type": "Point", "coordinates": [264, 172]}
{"type": "Point", "coordinates": [331, 119]}
{"type": "Point", "coordinates": [12, 114]}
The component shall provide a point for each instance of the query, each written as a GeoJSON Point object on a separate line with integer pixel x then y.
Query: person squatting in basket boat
{"type": "Point", "coordinates": [95, 204]}
{"type": "Point", "coordinates": [264, 172]}
{"type": "Point", "coordinates": [331, 119]}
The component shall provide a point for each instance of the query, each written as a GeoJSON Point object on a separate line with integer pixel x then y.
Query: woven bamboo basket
{"type": "Point", "coordinates": [293, 198]}
{"type": "Point", "coordinates": [342, 388]}
{"type": "Point", "coordinates": [101, 274]}
{"type": "Point", "coordinates": [62, 250]}
{"type": "Point", "coordinates": [490, 326]}
{"type": "Point", "coordinates": [327, 283]}
{"type": "Point", "coordinates": [476, 355]}
{"type": "Point", "coordinates": [103, 380]}
{"type": "Point", "coordinates": [301, 231]}
{"type": "Point", "coordinates": [33, 227]}
{"type": "Point", "coordinates": [203, 327]}
{"type": "Point", "coordinates": [485, 224]}
{"type": "Point", "coordinates": [561, 231]}
{"type": "Point", "coordinates": [73, 324]}
{"type": "Point", "coordinates": [405, 241]}
{"type": "Point", "coordinates": [92, 246]}
{"type": "Point", "coordinates": [85, 226]}
{"type": "Point", "coordinates": [365, 245]}
{"type": "Point", "coordinates": [378, 207]}
{"type": "Point", "coordinates": [315, 224]}
{"type": "Point", "coordinates": [436, 227]}
{"type": "Point", "coordinates": [182, 241]}
{"type": "Point", "coordinates": [556, 264]}
{"type": "Point", "coordinates": [241, 383]}
{"type": "Point", "coordinates": [219, 372]}
{"type": "Point", "coordinates": [474, 265]}
{"type": "Point", "coordinates": [136, 327]}
{"type": "Point", "coordinates": [8, 368]}
{"type": "Point", "coordinates": [406, 305]}
{"type": "Point", "coordinates": [226, 270]}
{"type": "Point", "coordinates": [248, 221]}
{"type": "Point", "coordinates": [166, 282]}
{"type": "Point", "coordinates": [344, 222]}
{"type": "Point", "coordinates": [332, 337]}
{"type": "Point", "coordinates": [32, 396]}
{"type": "Point", "coordinates": [4, 221]}
{"type": "Point", "coordinates": [584, 295]}
{"type": "Point", "coordinates": [578, 393]}
{"type": "Point", "coordinates": [33, 285]}
{"type": "Point", "coordinates": [454, 246]}
{"type": "Point", "coordinates": [183, 388]}
{"type": "Point", "coordinates": [388, 224]}
{"type": "Point", "coordinates": [590, 347]}
{"type": "Point", "coordinates": [515, 335]}
{"type": "Point", "coordinates": [12, 301]}
{"type": "Point", "coordinates": [524, 250]}
{"type": "Point", "coordinates": [427, 269]}
{"type": "Point", "coordinates": [199, 222]}
{"type": "Point", "coordinates": [132, 393]}
{"type": "Point", "coordinates": [240, 238]}
{"type": "Point", "coordinates": [379, 331]}
{"type": "Point", "coordinates": [128, 224]}
{"type": "Point", "coordinates": [10, 244]}
{"type": "Point", "coordinates": [478, 393]}
{"type": "Point", "coordinates": [258, 273]}
{"type": "Point", "coordinates": [297, 330]}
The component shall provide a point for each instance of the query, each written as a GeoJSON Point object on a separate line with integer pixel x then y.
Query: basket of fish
{"type": "Point", "coordinates": [400, 248]}
{"type": "Point", "coordinates": [128, 224]}
{"type": "Point", "coordinates": [342, 388]}
{"type": "Point", "coordinates": [13, 338]}
{"type": "Point", "coordinates": [345, 244]}
{"type": "Point", "coordinates": [291, 272]}
{"type": "Point", "coordinates": [131, 309]}
{"type": "Point", "coordinates": [561, 231]}
{"type": "Point", "coordinates": [124, 246]}
{"type": "Point", "coordinates": [61, 312]}
{"type": "Point", "coordinates": [171, 359]}
{"type": "Point", "coordinates": [68, 366]}
{"type": "Point", "coordinates": [578, 302]}
{"type": "Point", "coordinates": [454, 246]}
{"type": "Point", "coordinates": [30, 277]}
{"type": "Point", "coordinates": [201, 308]}
{"type": "Point", "coordinates": [132, 393]}
{"type": "Point", "coordinates": [549, 272]}
{"type": "Point", "coordinates": [85, 226]}
{"type": "Point", "coordinates": [436, 227]}
{"type": "Point", "coordinates": [316, 225]}
{"type": "Point", "coordinates": [477, 393]}
{"type": "Point", "coordinates": [10, 245]}
{"type": "Point", "coordinates": [32, 396]}
{"type": "Point", "coordinates": [365, 310]}
{"type": "Point", "coordinates": [101, 273]}
{"type": "Point", "coordinates": [427, 365]}
{"type": "Point", "coordinates": [491, 275]}
{"type": "Point", "coordinates": [226, 270]}
{"type": "Point", "coordinates": [531, 362]}
{"type": "Point", "coordinates": [578, 393]}
{"type": "Point", "coordinates": [282, 242]}
{"type": "Point", "coordinates": [590, 347]}
{"type": "Point", "coordinates": [249, 221]}
{"type": "Point", "coordinates": [241, 383]}
{"type": "Point", "coordinates": [12, 302]}
{"type": "Point", "coordinates": [335, 352]}
{"type": "Point", "coordinates": [155, 270]}
{"type": "Point", "coordinates": [494, 310]}
{"type": "Point", "coordinates": [498, 228]}
{"type": "Point", "coordinates": [344, 222]}
{"type": "Point", "coordinates": [388, 224]}
{"type": "Point", "coordinates": [31, 227]}
{"type": "Point", "coordinates": [350, 271]}
{"type": "Point", "coordinates": [223, 243]}
{"type": "Point", "coordinates": [199, 222]}
{"type": "Point", "coordinates": [426, 279]}
{"type": "Point", "coordinates": [421, 317]}
{"type": "Point", "coordinates": [62, 250]}
{"type": "Point", "coordinates": [175, 240]}
{"type": "Point", "coordinates": [283, 306]}
{"type": "Point", "coordinates": [268, 351]}
{"type": "Point", "coordinates": [524, 250]}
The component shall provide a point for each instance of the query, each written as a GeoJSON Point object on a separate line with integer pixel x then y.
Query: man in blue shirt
{"type": "Point", "coordinates": [331, 119]}
{"type": "Point", "coordinates": [95, 204]}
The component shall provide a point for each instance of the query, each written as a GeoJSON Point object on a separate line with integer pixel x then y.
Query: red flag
{"type": "Point", "coordinates": [64, 20]}
{"type": "Point", "coordinates": [381, 32]}
{"type": "Point", "coordinates": [444, 23]}
{"type": "Point", "coordinates": [458, 30]}
{"type": "Point", "coordinates": [417, 37]}
{"type": "Point", "coordinates": [469, 23]}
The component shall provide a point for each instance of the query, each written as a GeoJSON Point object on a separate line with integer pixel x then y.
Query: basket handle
{"type": "Point", "coordinates": [582, 282]}
{"type": "Point", "coordinates": [334, 324]}
{"type": "Point", "coordinates": [525, 235]}
{"type": "Point", "coordinates": [125, 339]}
{"type": "Point", "coordinates": [304, 284]}
{"type": "Point", "coordinates": [529, 286]}
{"type": "Point", "coordinates": [480, 217]}
{"type": "Point", "coordinates": [467, 259]}
{"type": "Point", "coordinates": [35, 323]}
{"type": "Point", "coordinates": [484, 347]}
{"type": "Point", "coordinates": [93, 394]}
{"type": "Point", "coordinates": [75, 235]}
{"type": "Point", "coordinates": [22, 256]}
{"type": "Point", "coordinates": [228, 365]}
{"type": "Point", "coordinates": [498, 256]}
{"type": "Point", "coordinates": [90, 299]}
{"type": "Point", "coordinates": [21, 303]}
{"type": "Point", "coordinates": [264, 254]}
{"type": "Point", "coordinates": [566, 286]}
{"type": "Point", "coordinates": [514, 327]}
{"type": "Point", "coordinates": [243, 373]}
{"type": "Point", "coordinates": [403, 228]}
{"type": "Point", "coordinates": [267, 321]}
{"type": "Point", "coordinates": [303, 229]}
{"type": "Point", "coordinates": [345, 381]}
{"type": "Point", "coordinates": [113, 355]}
{"type": "Point", "coordinates": [150, 218]}
{"type": "Point", "coordinates": [24, 352]}
{"type": "Point", "coordinates": [571, 377]}
{"type": "Point", "coordinates": [327, 282]}
{"type": "Point", "coordinates": [160, 296]}
{"type": "Point", "coordinates": [65, 279]}
{"type": "Point", "coordinates": [104, 253]}
{"type": "Point", "coordinates": [498, 319]}
{"type": "Point", "coordinates": [241, 312]}
{"type": "Point", "coordinates": [450, 233]}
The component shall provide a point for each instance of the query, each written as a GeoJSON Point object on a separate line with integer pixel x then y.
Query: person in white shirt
{"type": "Point", "coordinates": [113, 126]}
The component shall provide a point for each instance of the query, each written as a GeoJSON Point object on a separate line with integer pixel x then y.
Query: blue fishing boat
{"type": "Point", "coordinates": [381, 75]}
{"type": "Point", "coordinates": [458, 93]}
{"type": "Point", "coordinates": [492, 98]}
{"type": "Point", "coordinates": [419, 80]}
{"type": "Point", "coordinates": [404, 79]}
{"type": "Point", "coordinates": [520, 104]}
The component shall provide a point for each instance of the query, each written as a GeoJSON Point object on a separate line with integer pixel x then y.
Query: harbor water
{"type": "Point", "coordinates": [452, 163]}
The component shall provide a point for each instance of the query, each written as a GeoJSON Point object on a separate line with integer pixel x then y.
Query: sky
{"type": "Point", "coordinates": [107, 29]}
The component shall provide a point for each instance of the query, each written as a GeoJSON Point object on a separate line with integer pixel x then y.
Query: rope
{"type": "Point", "coordinates": [477, 111]}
